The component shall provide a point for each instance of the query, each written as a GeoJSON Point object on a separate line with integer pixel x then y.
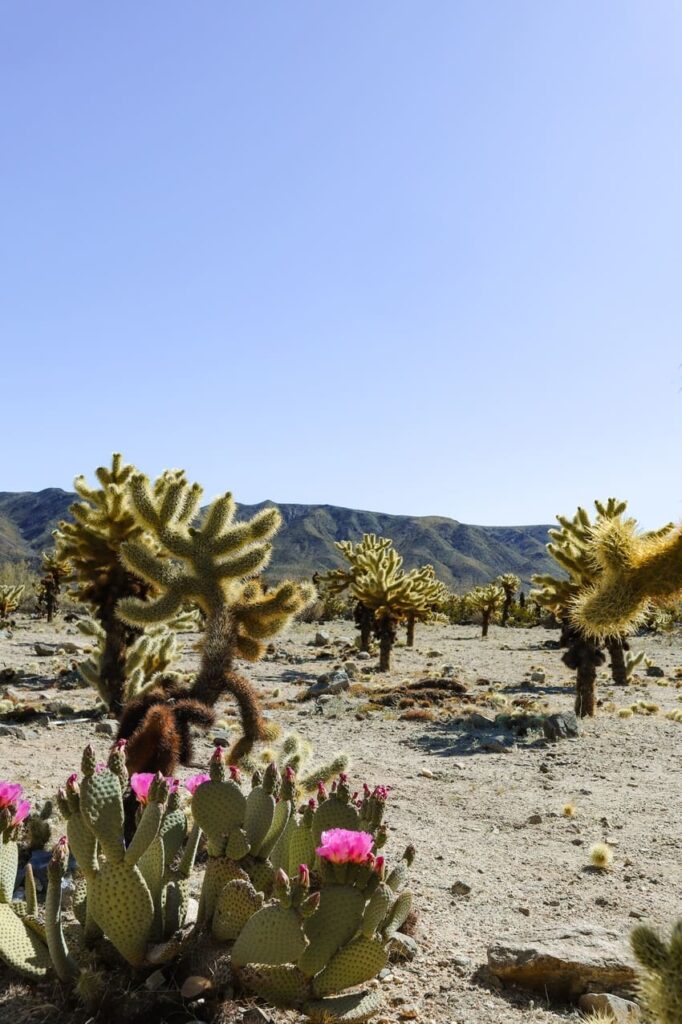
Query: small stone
{"type": "Point", "coordinates": [425, 774]}
{"type": "Point", "coordinates": [44, 650]}
{"type": "Point", "coordinates": [107, 727]}
{"type": "Point", "coordinates": [194, 986]}
{"type": "Point", "coordinates": [623, 1011]}
{"type": "Point", "coordinates": [561, 726]}
{"type": "Point", "coordinates": [221, 740]}
{"type": "Point", "coordinates": [524, 910]}
{"type": "Point", "coordinates": [408, 1013]}
{"type": "Point", "coordinates": [655, 671]}
{"type": "Point", "coordinates": [402, 947]}
{"type": "Point", "coordinates": [363, 656]}
{"type": "Point", "coordinates": [155, 981]}
{"type": "Point", "coordinates": [322, 639]}
{"type": "Point", "coordinates": [460, 888]}
{"type": "Point", "coordinates": [535, 819]}
{"type": "Point", "coordinates": [537, 677]}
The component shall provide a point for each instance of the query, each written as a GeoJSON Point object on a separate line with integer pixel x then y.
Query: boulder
{"type": "Point", "coordinates": [623, 1011]}
{"type": "Point", "coordinates": [328, 683]}
{"type": "Point", "coordinates": [561, 725]}
{"type": "Point", "coordinates": [565, 961]}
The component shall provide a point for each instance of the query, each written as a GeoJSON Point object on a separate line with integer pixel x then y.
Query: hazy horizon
{"type": "Point", "coordinates": [421, 260]}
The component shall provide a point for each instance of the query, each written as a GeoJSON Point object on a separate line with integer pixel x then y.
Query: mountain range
{"type": "Point", "coordinates": [462, 555]}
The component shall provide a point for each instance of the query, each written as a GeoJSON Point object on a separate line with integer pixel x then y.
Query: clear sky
{"type": "Point", "coordinates": [412, 257]}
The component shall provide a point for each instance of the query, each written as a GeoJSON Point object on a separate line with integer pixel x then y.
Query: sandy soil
{"type": "Point", "coordinates": [466, 810]}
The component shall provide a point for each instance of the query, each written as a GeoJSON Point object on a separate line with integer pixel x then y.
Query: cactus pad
{"type": "Point", "coordinates": [9, 858]}
{"type": "Point", "coordinates": [102, 807]}
{"type": "Point", "coordinates": [260, 812]}
{"type": "Point", "coordinates": [397, 914]}
{"type": "Point", "coordinates": [355, 1008]}
{"type": "Point", "coordinates": [334, 923]}
{"type": "Point", "coordinates": [236, 904]}
{"type": "Point", "coordinates": [282, 984]}
{"type": "Point", "coordinates": [20, 946]}
{"type": "Point", "coordinates": [121, 905]}
{"type": "Point", "coordinates": [279, 822]}
{"type": "Point", "coordinates": [272, 936]}
{"type": "Point", "coordinates": [334, 813]}
{"type": "Point", "coordinates": [218, 808]}
{"type": "Point", "coordinates": [237, 845]}
{"type": "Point", "coordinates": [359, 961]}
{"type": "Point", "coordinates": [219, 871]}
{"type": "Point", "coordinates": [377, 909]}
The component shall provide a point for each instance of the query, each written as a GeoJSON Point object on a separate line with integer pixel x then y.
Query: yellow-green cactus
{"type": "Point", "coordinates": [487, 601]}
{"type": "Point", "coordinates": [212, 564]}
{"type": "Point", "coordinates": [10, 598]}
{"type": "Point", "coordinates": [661, 984]}
{"type": "Point", "coordinates": [55, 571]}
{"type": "Point", "coordinates": [510, 584]}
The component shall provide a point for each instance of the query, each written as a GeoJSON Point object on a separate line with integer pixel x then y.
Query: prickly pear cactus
{"type": "Point", "coordinates": [22, 939]}
{"type": "Point", "coordinates": [332, 913]}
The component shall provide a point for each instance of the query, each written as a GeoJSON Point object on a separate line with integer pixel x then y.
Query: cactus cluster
{"type": "Point", "coordinates": [302, 893]}
{"type": "Point", "coordinates": [10, 598]}
{"type": "Point", "coordinates": [384, 593]}
{"type": "Point", "coordinates": [299, 898]}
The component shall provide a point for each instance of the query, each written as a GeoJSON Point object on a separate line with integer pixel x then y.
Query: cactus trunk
{"type": "Point", "coordinates": [386, 634]}
{"type": "Point", "coordinates": [616, 648]}
{"type": "Point", "coordinates": [485, 622]}
{"type": "Point", "coordinates": [506, 608]}
{"type": "Point", "coordinates": [410, 629]}
{"type": "Point", "coordinates": [364, 619]}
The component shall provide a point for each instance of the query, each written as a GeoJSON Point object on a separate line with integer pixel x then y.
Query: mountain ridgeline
{"type": "Point", "coordinates": [462, 555]}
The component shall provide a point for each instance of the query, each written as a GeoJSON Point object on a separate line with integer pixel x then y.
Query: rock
{"type": "Point", "coordinates": [535, 819]}
{"type": "Point", "coordinates": [155, 981]}
{"type": "Point", "coordinates": [345, 640]}
{"type": "Point", "coordinates": [322, 639]}
{"type": "Point", "coordinates": [69, 648]}
{"type": "Point", "coordinates": [624, 1011]}
{"type": "Point", "coordinates": [351, 670]}
{"type": "Point", "coordinates": [460, 888]}
{"type": "Point", "coordinates": [561, 725]}
{"type": "Point", "coordinates": [15, 731]}
{"type": "Point", "coordinates": [425, 773]}
{"type": "Point", "coordinates": [402, 947]}
{"type": "Point", "coordinates": [107, 727]}
{"type": "Point", "coordinates": [329, 683]}
{"type": "Point", "coordinates": [478, 721]}
{"type": "Point", "coordinates": [44, 650]}
{"type": "Point", "coordinates": [498, 745]}
{"type": "Point", "coordinates": [655, 671]}
{"type": "Point", "coordinates": [564, 961]}
{"type": "Point", "coordinates": [194, 986]}
{"type": "Point", "coordinates": [221, 740]}
{"type": "Point", "coordinates": [537, 677]}
{"type": "Point", "coordinates": [447, 671]}
{"type": "Point", "coordinates": [363, 656]}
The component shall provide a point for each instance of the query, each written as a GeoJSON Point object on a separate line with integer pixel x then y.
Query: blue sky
{"type": "Point", "coordinates": [412, 257]}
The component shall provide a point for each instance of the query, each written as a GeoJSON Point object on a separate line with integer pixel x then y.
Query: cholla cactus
{"type": "Point", "coordinates": [428, 597]}
{"type": "Point", "coordinates": [572, 548]}
{"type": "Point", "coordinates": [385, 594]}
{"type": "Point", "coordinates": [634, 569]}
{"type": "Point", "coordinates": [294, 752]}
{"type": "Point", "coordinates": [102, 521]}
{"type": "Point", "coordinates": [10, 597]}
{"type": "Point", "coordinates": [510, 584]}
{"type": "Point", "coordinates": [22, 938]}
{"type": "Point", "coordinates": [661, 984]}
{"type": "Point", "coordinates": [214, 566]}
{"type": "Point", "coordinates": [360, 557]}
{"type": "Point", "coordinates": [55, 571]}
{"type": "Point", "coordinates": [487, 600]}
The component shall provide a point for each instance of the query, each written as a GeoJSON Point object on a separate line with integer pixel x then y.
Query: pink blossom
{"type": "Point", "coordinates": [9, 793]}
{"type": "Point", "coordinates": [343, 846]}
{"type": "Point", "coordinates": [235, 774]}
{"type": "Point", "coordinates": [23, 810]}
{"type": "Point", "coordinates": [140, 783]}
{"type": "Point", "coordinates": [381, 793]}
{"type": "Point", "coordinates": [193, 783]}
{"type": "Point", "coordinates": [72, 780]}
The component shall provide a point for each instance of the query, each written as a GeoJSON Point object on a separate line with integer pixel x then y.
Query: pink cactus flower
{"type": "Point", "coordinates": [343, 777]}
{"type": "Point", "coordinates": [343, 846]}
{"type": "Point", "coordinates": [9, 793]}
{"type": "Point", "coordinates": [140, 783]}
{"type": "Point", "coordinates": [23, 810]}
{"type": "Point", "coordinates": [101, 766]}
{"type": "Point", "coordinates": [381, 793]}
{"type": "Point", "coordinates": [192, 784]}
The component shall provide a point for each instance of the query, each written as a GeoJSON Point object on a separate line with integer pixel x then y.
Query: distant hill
{"type": "Point", "coordinates": [462, 555]}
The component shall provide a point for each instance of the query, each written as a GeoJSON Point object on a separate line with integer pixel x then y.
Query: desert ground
{"type": "Point", "coordinates": [485, 814]}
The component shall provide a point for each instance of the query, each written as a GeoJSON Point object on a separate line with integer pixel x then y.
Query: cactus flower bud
{"type": "Point", "coordinates": [304, 875]}
{"type": "Point", "coordinates": [321, 791]}
{"type": "Point", "coordinates": [380, 866]}
{"type": "Point", "coordinates": [235, 773]}
{"type": "Point", "coordinates": [381, 837]}
{"type": "Point", "coordinates": [89, 761]}
{"type": "Point", "coordinates": [72, 782]}
{"type": "Point", "coordinates": [60, 856]}
{"type": "Point", "coordinates": [310, 904]}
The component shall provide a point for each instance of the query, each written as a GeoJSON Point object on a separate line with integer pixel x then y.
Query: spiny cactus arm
{"type": "Point", "coordinates": [65, 966]}
{"type": "Point", "coordinates": [189, 854]}
{"type": "Point", "coordinates": [635, 569]}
